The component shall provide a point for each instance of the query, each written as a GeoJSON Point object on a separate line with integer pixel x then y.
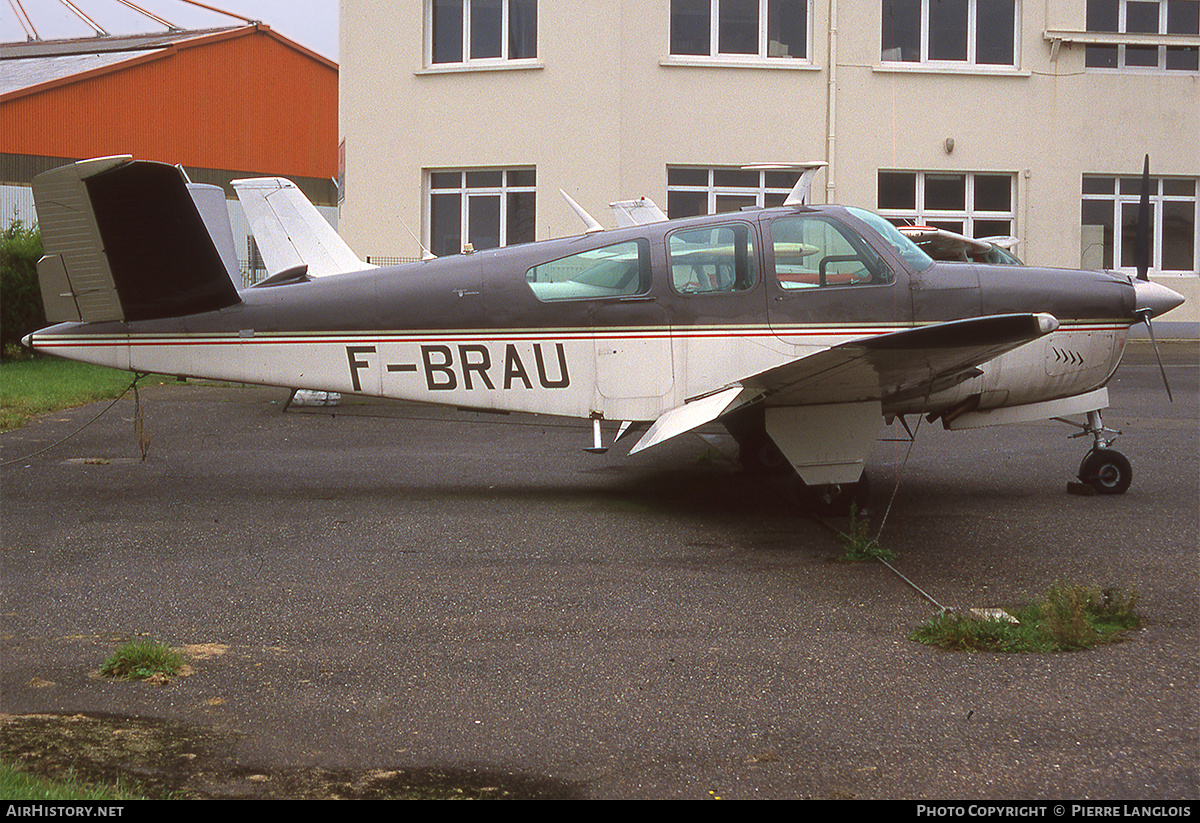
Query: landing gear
{"type": "Point", "coordinates": [759, 455]}
{"type": "Point", "coordinates": [757, 452]}
{"type": "Point", "coordinates": [1106, 471]}
{"type": "Point", "coordinates": [1103, 470]}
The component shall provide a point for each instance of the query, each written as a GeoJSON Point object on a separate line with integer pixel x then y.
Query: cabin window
{"type": "Point", "coordinates": [811, 251]}
{"type": "Point", "coordinates": [713, 259]}
{"type": "Point", "coordinates": [739, 29]}
{"type": "Point", "coordinates": [1144, 21]}
{"type": "Point", "coordinates": [974, 32]}
{"type": "Point", "coordinates": [473, 31]}
{"type": "Point", "coordinates": [693, 191]}
{"type": "Point", "coordinates": [619, 270]}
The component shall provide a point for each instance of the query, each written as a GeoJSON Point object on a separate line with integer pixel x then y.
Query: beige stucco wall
{"type": "Point", "coordinates": [605, 112]}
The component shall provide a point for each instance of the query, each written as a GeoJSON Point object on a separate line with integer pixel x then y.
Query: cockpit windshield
{"type": "Point", "coordinates": [907, 249]}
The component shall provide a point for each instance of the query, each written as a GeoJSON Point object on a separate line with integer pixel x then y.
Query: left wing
{"type": "Point", "coordinates": [909, 363]}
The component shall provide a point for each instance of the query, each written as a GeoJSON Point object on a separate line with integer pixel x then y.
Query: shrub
{"type": "Point", "coordinates": [21, 308]}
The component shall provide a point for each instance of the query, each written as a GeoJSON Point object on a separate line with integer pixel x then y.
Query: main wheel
{"type": "Point", "coordinates": [1106, 471]}
{"type": "Point", "coordinates": [757, 452]}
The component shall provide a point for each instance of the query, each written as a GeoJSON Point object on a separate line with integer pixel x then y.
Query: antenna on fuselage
{"type": "Point", "coordinates": [426, 254]}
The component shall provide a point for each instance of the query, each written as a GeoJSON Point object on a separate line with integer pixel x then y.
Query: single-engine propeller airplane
{"type": "Point", "coordinates": [801, 328]}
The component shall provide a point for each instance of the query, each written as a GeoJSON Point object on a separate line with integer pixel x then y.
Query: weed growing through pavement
{"type": "Point", "coordinates": [1069, 618]}
{"type": "Point", "coordinates": [860, 546]}
{"type": "Point", "coordinates": [142, 659]}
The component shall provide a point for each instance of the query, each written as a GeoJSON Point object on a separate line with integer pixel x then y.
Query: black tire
{"type": "Point", "coordinates": [757, 452]}
{"type": "Point", "coordinates": [1106, 471]}
{"type": "Point", "coordinates": [763, 458]}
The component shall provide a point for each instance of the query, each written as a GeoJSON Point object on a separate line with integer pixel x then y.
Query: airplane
{"type": "Point", "coordinates": [802, 328]}
{"type": "Point", "coordinates": [941, 244]}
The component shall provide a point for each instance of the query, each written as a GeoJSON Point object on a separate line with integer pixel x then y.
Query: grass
{"type": "Point", "coordinates": [860, 546]}
{"type": "Point", "coordinates": [18, 785]}
{"type": "Point", "coordinates": [42, 384]}
{"type": "Point", "coordinates": [1068, 618]}
{"type": "Point", "coordinates": [142, 659]}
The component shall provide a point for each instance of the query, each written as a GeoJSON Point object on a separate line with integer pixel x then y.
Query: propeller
{"type": "Point", "coordinates": [1141, 237]}
{"type": "Point", "coordinates": [1149, 300]}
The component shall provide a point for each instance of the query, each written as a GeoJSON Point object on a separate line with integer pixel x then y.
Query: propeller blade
{"type": "Point", "coordinates": [1141, 239]}
{"type": "Point", "coordinates": [1163, 371]}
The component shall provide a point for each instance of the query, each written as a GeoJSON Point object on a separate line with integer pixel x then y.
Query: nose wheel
{"type": "Point", "coordinates": [1107, 471]}
{"type": "Point", "coordinates": [1104, 470]}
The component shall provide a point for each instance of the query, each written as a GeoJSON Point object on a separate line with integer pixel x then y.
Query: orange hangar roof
{"type": "Point", "coordinates": [240, 98]}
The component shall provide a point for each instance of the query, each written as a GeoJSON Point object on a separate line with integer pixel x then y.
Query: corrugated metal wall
{"type": "Point", "coordinates": [244, 100]}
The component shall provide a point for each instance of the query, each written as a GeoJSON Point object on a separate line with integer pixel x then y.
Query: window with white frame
{"type": "Point", "coordinates": [976, 204]}
{"type": "Point", "coordinates": [465, 32]}
{"type": "Point", "coordinates": [1109, 217]}
{"type": "Point", "coordinates": [483, 207]}
{"type": "Point", "coordinates": [968, 32]}
{"type": "Point", "coordinates": [740, 29]}
{"type": "Point", "coordinates": [1144, 21]}
{"type": "Point", "coordinates": [693, 191]}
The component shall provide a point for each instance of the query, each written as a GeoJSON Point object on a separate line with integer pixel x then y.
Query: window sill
{"type": "Point", "coordinates": [465, 68]}
{"type": "Point", "coordinates": [950, 68]}
{"type": "Point", "coordinates": [783, 63]}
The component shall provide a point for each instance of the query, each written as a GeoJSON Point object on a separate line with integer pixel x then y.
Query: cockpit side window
{"type": "Point", "coordinates": [713, 259]}
{"type": "Point", "coordinates": [619, 270]}
{"type": "Point", "coordinates": [812, 251]}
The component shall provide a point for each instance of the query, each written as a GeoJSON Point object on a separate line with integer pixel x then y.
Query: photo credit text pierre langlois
{"type": "Point", "coordinates": [1055, 810]}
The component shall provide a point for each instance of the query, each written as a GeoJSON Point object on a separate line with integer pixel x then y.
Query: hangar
{"type": "Point", "coordinates": [224, 103]}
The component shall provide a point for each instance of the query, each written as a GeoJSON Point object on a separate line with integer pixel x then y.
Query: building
{"type": "Point", "coordinates": [461, 119]}
{"type": "Point", "coordinates": [223, 103]}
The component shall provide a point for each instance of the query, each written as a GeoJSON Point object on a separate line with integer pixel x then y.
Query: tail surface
{"type": "Point", "coordinates": [123, 241]}
{"type": "Point", "coordinates": [290, 232]}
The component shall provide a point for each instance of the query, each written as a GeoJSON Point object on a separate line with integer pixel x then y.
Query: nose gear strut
{"type": "Point", "coordinates": [1103, 470]}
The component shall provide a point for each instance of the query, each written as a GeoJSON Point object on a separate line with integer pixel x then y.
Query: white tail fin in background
{"type": "Point", "coordinates": [289, 230]}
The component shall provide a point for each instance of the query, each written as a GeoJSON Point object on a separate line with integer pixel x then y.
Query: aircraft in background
{"type": "Point", "coordinates": [941, 244]}
{"type": "Point", "coordinates": [801, 328]}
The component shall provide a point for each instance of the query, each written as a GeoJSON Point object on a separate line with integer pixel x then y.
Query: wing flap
{"type": "Point", "coordinates": [688, 416]}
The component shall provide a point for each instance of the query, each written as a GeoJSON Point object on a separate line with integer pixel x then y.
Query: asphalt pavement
{"type": "Point", "coordinates": [384, 588]}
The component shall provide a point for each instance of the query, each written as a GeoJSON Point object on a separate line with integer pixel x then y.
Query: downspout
{"type": "Point", "coordinates": [831, 108]}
